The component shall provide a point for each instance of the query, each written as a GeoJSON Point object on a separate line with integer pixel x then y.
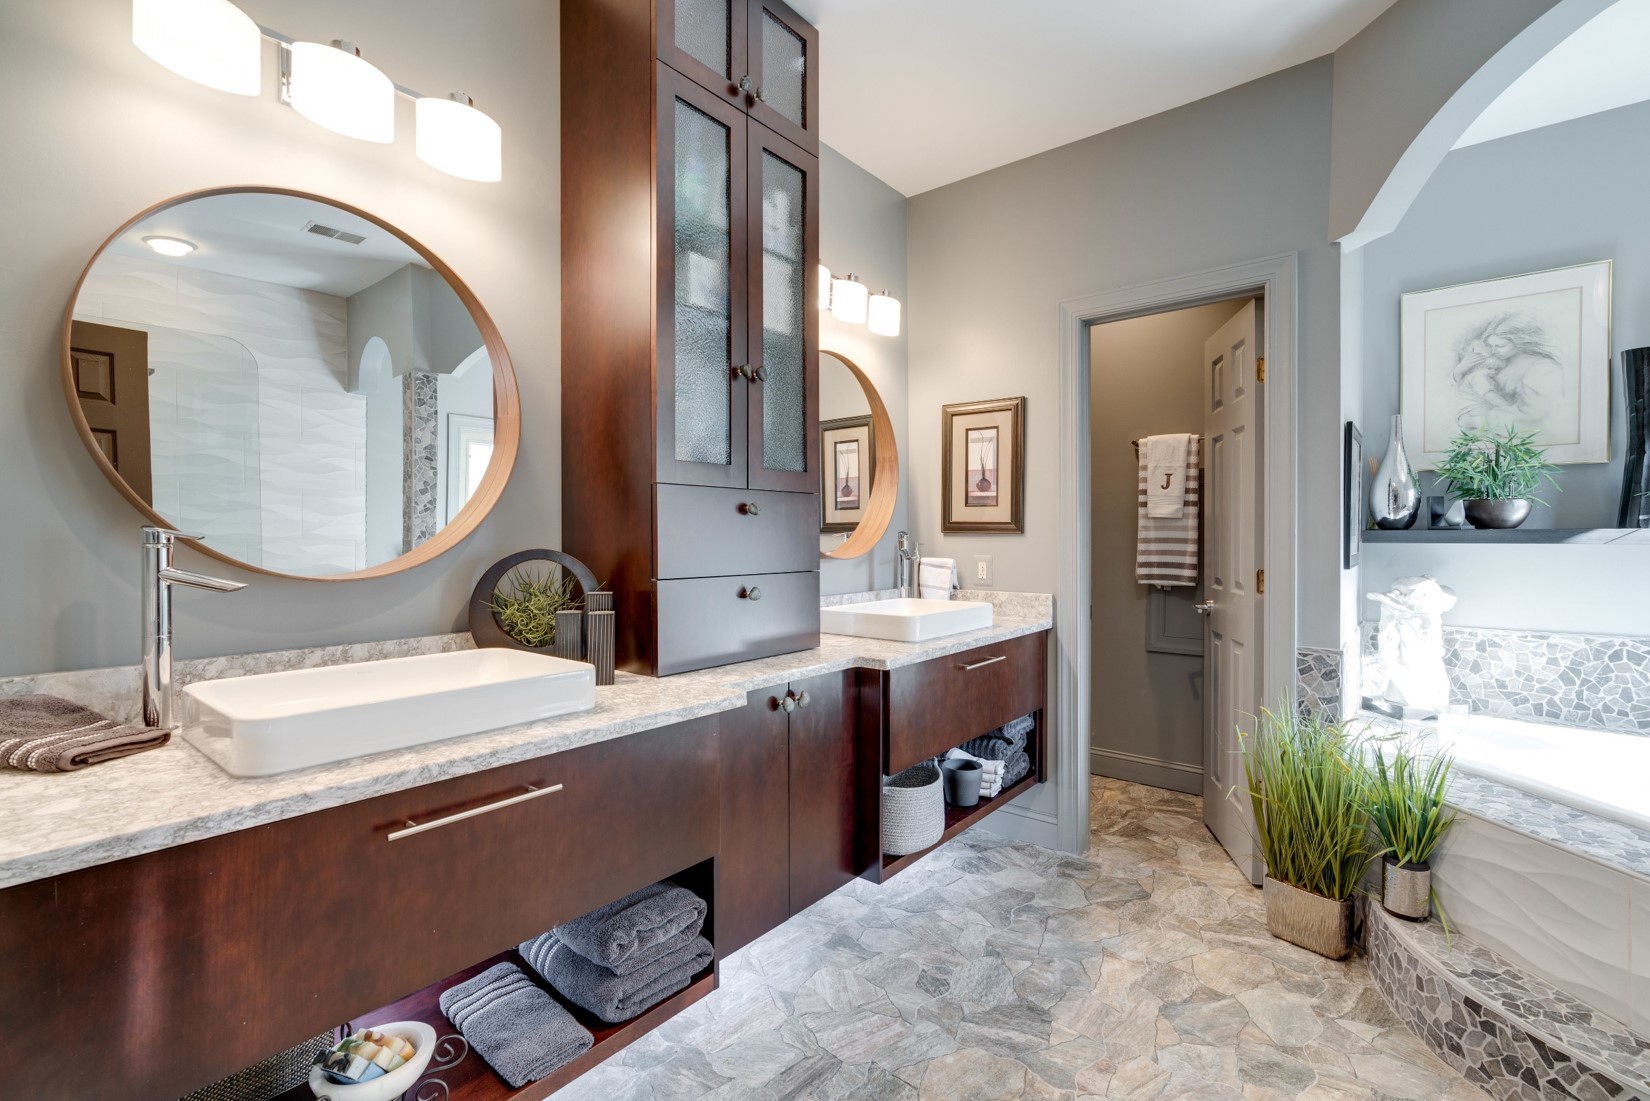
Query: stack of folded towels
{"type": "Point", "coordinates": [991, 772]}
{"type": "Point", "coordinates": [1006, 744]}
{"type": "Point", "coordinates": [521, 1031]}
{"type": "Point", "coordinates": [628, 956]}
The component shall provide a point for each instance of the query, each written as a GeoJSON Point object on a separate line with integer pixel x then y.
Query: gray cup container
{"type": "Point", "coordinates": [962, 782]}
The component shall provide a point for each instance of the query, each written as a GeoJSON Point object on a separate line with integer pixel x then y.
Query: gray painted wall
{"type": "Point", "coordinates": [862, 230]}
{"type": "Point", "coordinates": [1146, 378]}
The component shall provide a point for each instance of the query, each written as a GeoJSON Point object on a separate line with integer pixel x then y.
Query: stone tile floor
{"type": "Point", "coordinates": [993, 969]}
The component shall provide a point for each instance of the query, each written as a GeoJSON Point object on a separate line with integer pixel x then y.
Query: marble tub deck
{"type": "Point", "coordinates": [994, 969]}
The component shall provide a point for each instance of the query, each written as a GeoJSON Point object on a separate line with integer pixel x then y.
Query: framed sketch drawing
{"type": "Point", "coordinates": [847, 462]}
{"type": "Point", "coordinates": [983, 466]}
{"type": "Point", "coordinates": [1352, 496]}
{"type": "Point", "coordinates": [1531, 351]}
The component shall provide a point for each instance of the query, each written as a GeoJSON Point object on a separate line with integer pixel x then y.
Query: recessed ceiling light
{"type": "Point", "coordinates": [170, 246]}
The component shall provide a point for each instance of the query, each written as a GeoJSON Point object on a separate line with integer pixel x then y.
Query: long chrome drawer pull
{"type": "Point", "coordinates": [983, 664]}
{"type": "Point", "coordinates": [415, 827]}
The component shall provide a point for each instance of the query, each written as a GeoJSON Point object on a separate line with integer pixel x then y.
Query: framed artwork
{"type": "Point", "coordinates": [983, 466]}
{"type": "Point", "coordinates": [846, 468]}
{"type": "Point", "coordinates": [1530, 351]}
{"type": "Point", "coordinates": [1352, 496]}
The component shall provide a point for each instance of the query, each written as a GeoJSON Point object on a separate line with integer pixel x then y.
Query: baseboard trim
{"type": "Point", "coordinates": [1150, 771]}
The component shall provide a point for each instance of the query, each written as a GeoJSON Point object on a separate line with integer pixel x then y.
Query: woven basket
{"type": "Point", "coordinates": [913, 810]}
{"type": "Point", "coordinates": [274, 1076]}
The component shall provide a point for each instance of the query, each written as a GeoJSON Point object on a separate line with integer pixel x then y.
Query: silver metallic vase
{"type": "Point", "coordinates": [1395, 495]}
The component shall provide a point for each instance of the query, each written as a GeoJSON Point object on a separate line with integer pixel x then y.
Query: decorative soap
{"type": "Point", "coordinates": [365, 1056]}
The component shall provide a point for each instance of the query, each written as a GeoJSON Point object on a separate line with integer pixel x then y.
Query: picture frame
{"type": "Point", "coordinates": [1531, 351]}
{"type": "Point", "coordinates": [1352, 495]}
{"type": "Point", "coordinates": [847, 470]}
{"type": "Point", "coordinates": [983, 467]}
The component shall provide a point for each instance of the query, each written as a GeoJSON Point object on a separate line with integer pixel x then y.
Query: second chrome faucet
{"type": "Point", "coordinates": [159, 576]}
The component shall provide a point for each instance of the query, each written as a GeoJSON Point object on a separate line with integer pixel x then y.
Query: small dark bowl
{"type": "Point", "coordinates": [1506, 512]}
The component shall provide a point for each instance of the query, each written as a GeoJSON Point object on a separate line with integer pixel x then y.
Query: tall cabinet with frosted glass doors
{"type": "Point", "coordinates": [690, 392]}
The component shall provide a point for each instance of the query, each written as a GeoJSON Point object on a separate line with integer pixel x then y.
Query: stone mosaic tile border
{"type": "Point", "coordinates": [1318, 681]}
{"type": "Point", "coordinates": [1599, 682]}
{"type": "Point", "coordinates": [1511, 1034]}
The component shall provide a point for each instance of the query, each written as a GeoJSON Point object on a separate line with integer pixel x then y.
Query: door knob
{"type": "Point", "coordinates": [1204, 607]}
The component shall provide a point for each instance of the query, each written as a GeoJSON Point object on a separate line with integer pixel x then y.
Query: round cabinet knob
{"type": "Point", "coordinates": [752, 593]}
{"type": "Point", "coordinates": [760, 95]}
{"type": "Point", "coordinates": [760, 374]}
{"type": "Point", "coordinates": [741, 370]}
{"type": "Point", "coordinates": [786, 704]}
{"type": "Point", "coordinates": [750, 508]}
{"type": "Point", "coordinates": [802, 699]}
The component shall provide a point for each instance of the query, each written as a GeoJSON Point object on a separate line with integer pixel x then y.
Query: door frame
{"type": "Point", "coordinates": [1276, 278]}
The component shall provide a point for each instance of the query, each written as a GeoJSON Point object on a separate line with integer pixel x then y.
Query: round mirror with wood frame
{"type": "Point", "coordinates": [878, 507]}
{"type": "Point", "coordinates": [309, 388]}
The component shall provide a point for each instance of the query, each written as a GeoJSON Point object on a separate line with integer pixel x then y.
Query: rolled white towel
{"type": "Point", "coordinates": [936, 578]}
{"type": "Point", "coordinates": [989, 770]}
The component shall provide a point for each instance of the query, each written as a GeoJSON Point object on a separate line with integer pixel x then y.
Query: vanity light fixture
{"type": "Point", "coordinates": [848, 299]}
{"type": "Point", "coordinates": [882, 314]}
{"type": "Point", "coordinates": [824, 287]}
{"type": "Point", "coordinates": [458, 139]}
{"type": "Point", "coordinates": [211, 42]}
{"type": "Point", "coordinates": [170, 246]}
{"type": "Point", "coordinates": [335, 88]}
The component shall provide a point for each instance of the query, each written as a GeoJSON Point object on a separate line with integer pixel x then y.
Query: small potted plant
{"type": "Point", "coordinates": [1495, 473]}
{"type": "Point", "coordinates": [1310, 794]}
{"type": "Point", "coordinates": [1410, 818]}
{"type": "Point", "coordinates": [525, 605]}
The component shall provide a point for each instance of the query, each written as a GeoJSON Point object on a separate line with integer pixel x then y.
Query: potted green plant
{"type": "Point", "coordinates": [525, 605]}
{"type": "Point", "coordinates": [1495, 473]}
{"type": "Point", "coordinates": [1410, 817]}
{"type": "Point", "coordinates": [1310, 793]}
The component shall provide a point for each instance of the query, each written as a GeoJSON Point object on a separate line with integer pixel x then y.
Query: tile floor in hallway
{"type": "Point", "coordinates": [993, 969]}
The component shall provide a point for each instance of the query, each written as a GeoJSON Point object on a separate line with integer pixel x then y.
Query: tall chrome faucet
{"type": "Point", "coordinates": [905, 564]}
{"type": "Point", "coordinates": [159, 575]}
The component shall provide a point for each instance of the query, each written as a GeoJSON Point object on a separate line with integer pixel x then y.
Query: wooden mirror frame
{"type": "Point", "coordinates": [506, 400]}
{"type": "Point", "coordinates": [879, 507]}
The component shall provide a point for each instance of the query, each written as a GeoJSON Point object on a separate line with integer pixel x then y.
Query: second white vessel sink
{"type": "Point", "coordinates": [906, 620]}
{"type": "Point", "coordinates": [275, 722]}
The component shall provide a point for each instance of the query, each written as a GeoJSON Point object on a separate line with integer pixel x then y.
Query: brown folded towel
{"type": "Point", "coordinates": [50, 734]}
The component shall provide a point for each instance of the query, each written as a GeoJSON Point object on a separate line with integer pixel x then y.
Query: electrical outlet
{"type": "Point", "coordinates": [982, 570]}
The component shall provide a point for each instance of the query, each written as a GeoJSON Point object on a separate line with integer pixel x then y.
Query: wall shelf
{"type": "Point", "coordinates": [1522, 536]}
{"type": "Point", "coordinates": [466, 1075]}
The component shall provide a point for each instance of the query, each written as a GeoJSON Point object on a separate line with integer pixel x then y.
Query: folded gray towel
{"type": "Point", "coordinates": [1004, 742]}
{"type": "Point", "coordinates": [50, 734]}
{"type": "Point", "coordinates": [521, 1031]}
{"type": "Point", "coordinates": [1015, 769]}
{"type": "Point", "coordinates": [612, 997]}
{"type": "Point", "coordinates": [611, 935]}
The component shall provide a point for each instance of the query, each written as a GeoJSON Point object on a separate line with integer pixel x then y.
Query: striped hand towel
{"type": "Point", "coordinates": [1166, 550]}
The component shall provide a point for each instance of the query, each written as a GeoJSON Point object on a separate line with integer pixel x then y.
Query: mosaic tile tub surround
{"type": "Point", "coordinates": [1509, 1033]}
{"type": "Point", "coordinates": [1598, 682]}
{"type": "Point", "coordinates": [1318, 681]}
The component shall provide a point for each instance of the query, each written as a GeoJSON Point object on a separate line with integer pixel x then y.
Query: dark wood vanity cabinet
{"type": "Point", "coordinates": [690, 251]}
{"type": "Point", "coordinates": [798, 804]}
{"type": "Point", "coordinates": [152, 976]}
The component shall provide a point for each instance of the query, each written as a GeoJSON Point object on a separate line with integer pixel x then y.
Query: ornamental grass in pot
{"type": "Point", "coordinates": [1310, 795]}
{"type": "Point", "coordinates": [1410, 818]}
{"type": "Point", "coordinates": [1495, 474]}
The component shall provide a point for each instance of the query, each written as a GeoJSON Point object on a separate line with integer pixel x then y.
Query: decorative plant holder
{"type": "Point", "coordinates": [913, 810]}
{"type": "Point", "coordinates": [1505, 512]}
{"type": "Point", "coordinates": [1316, 923]}
{"type": "Point", "coordinates": [484, 627]}
{"type": "Point", "coordinates": [1406, 889]}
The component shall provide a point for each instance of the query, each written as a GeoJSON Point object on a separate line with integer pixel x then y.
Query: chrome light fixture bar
{"type": "Point", "coordinates": [850, 301]}
{"type": "Point", "coordinates": [214, 43]}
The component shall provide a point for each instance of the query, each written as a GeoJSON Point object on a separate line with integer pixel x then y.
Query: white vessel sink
{"type": "Point", "coordinates": [906, 620]}
{"type": "Point", "coordinates": [274, 722]}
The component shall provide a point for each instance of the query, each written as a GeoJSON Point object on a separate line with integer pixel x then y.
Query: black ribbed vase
{"type": "Point", "coordinates": [1635, 482]}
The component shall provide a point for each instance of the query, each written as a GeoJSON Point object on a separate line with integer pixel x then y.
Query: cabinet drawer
{"type": "Point", "coordinates": [709, 621]}
{"type": "Point", "coordinates": [944, 702]}
{"type": "Point", "coordinates": [705, 532]}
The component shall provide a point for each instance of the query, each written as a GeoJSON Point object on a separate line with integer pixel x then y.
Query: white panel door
{"type": "Point", "coordinates": [1231, 537]}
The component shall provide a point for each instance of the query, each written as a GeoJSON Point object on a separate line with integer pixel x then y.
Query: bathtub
{"type": "Point", "coordinates": [1595, 771]}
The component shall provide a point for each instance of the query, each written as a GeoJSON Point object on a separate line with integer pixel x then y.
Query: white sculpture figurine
{"type": "Point", "coordinates": [1411, 643]}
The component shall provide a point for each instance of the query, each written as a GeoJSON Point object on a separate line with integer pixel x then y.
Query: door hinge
{"type": "Point", "coordinates": [1260, 369]}
{"type": "Point", "coordinates": [1260, 582]}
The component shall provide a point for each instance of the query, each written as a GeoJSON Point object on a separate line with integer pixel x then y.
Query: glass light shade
{"type": "Point", "coordinates": [824, 287]}
{"type": "Point", "coordinates": [848, 300]}
{"type": "Point", "coordinates": [335, 89]}
{"type": "Point", "coordinates": [456, 138]}
{"type": "Point", "coordinates": [170, 246]}
{"type": "Point", "coordinates": [211, 42]}
{"type": "Point", "coordinates": [882, 315]}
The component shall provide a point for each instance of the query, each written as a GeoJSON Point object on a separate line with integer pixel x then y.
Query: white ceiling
{"type": "Point", "coordinates": [924, 92]}
{"type": "Point", "coordinates": [1598, 68]}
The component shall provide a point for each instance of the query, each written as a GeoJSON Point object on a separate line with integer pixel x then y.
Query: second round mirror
{"type": "Point", "coordinates": [858, 460]}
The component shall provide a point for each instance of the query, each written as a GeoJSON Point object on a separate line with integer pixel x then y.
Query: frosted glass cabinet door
{"type": "Point", "coordinates": [784, 244]}
{"type": "Point", "coordinates": [705, 40]}
{"type": "Point", "coordinates": [702, 324]}
{"type": "Point", "coordinates": [784, 75]}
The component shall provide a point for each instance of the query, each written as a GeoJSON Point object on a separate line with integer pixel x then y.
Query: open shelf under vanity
{"type": "Point", "coordinates": [958, 819]}
{"type": "Point", "coordinates": [465, 1076]}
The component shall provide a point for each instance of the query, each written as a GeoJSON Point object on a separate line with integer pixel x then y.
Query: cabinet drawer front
{"type": "Point", "coordinates": [945, 702]}
{"type": "Point", "coordinates": [704, 532]}
{"type": "Point", "coordinates": [710, 621]}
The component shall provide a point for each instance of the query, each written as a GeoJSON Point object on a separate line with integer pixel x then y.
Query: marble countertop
{"type": "Point", "coordinates": [51, 823]}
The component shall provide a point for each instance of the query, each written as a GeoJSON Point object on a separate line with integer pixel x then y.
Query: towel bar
{"type": "Point", "coordinates": [1136, 444]}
